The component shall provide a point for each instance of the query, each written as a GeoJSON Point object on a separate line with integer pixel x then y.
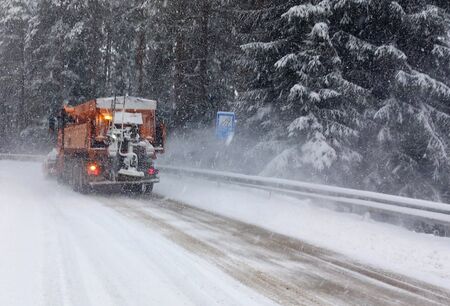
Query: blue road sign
{"type": "Point", "coordinates": [225, 125]}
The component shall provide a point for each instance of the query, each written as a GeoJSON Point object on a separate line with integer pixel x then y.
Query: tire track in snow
{"type": "Point", "coordinates": [122, 252]}
{"type": "Point", "coordinates": [69, 277]}
{"type": "Point", "coordinates": [62, 248]}
{"type": "Point", "coordinates": [263, 283]}
{"type": "Point", "coordinates": [357, 283]}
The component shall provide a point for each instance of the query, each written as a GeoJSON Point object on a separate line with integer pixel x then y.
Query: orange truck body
{"type": "Point", "coordinates": [83, 137]}
{"type": "Point", "coordinates": [90, 124]}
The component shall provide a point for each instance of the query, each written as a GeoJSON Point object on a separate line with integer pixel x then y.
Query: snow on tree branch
{"type": "Point", "coordinates": [286, 60]}
{"type": "Point", "coordinates": [340, 4]}
{"type": "Point", "coordinates": [390, 52]}
{"type": "Point", "coordinates": [307, 12]}
{"type": "Point", "coordinates": [441, 51]}
{"type": "Point", "coordinates": [358, 48]}
{"type": "Point", "coordinates": [320, 31]}
{"type": "Point", "coordinates": [318, 153]}
{"type": "Point", "coordinates": [423, 83]}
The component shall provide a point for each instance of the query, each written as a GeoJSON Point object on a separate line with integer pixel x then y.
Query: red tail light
{"type": "Point", "coordinates": [152, 171]}
{"type": "Point", "coordinates": [93, 169]}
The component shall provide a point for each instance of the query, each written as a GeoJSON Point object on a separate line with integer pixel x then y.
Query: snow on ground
{"type": "Point", "coordinates": [421, 256]}
{"type": "Point", "coordinates": [61, 248]}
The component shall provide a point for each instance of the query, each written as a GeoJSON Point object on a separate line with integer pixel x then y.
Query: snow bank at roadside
{"type": "Point", "coordinates": [389, 247]}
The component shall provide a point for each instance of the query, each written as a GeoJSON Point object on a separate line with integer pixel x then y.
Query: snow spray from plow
{"type": "Point", "coordinates": [417, 215]}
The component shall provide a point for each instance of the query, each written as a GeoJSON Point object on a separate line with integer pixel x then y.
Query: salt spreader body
{"type": "Point", "coordinates": [108, 142]}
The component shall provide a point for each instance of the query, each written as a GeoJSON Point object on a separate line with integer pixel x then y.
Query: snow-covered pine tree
{"type": "Point", "coordinates": [299, 95]}
{"type": "Point", "coordinates": [136, 41]}
{"type": "Point", "coordinates": [14, 18]}
{"type": "Point", "coordinates": [399, 51]}
{"type": "Point", "coordinates": [319, 107]}
{"type": "Point", "coordinates": [199, 31]}
{"type": "Point", "coordinates": [223, 50]}
{"type": "Point", "coordinates": [158, 55]}
{"type": "Point", "coordinates": [47, 32]}
{"type": "Point", "coordinates": [259, 27]}
{"type": "Point", "coordinates": [83, 46]}
{"type": "Point", "coordinates": [124, 28]}
{"type": "Point", "coordinates": [65, 43]}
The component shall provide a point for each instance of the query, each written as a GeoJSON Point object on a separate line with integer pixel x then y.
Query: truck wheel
{"type": "Point", "coordinates": [81, 183]}
{"type": "Point", "coordinates": [148, 189]}
{"type": "Point", "coordinates": [136, 189]}
{"type": "Point", "coordinates": [74, 178]}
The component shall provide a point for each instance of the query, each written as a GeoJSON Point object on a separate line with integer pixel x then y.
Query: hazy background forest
{"type": "Point", "coordinates": [347, 92]}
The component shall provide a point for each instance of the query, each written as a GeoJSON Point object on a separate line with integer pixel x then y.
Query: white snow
{"type": "Point", "coordinates": [421, 256]}
{"type": "Point", "coordinates": [426, 84]}
{"type": "Point", "coordinates": [298, 90]}
{"type": "Point", "coordinates": [441, 51]}
{"type": "Point", "coordinates": [61, 248]}
{"type": "Point", "coordinates": [320, 189]}
{"type": "Point", "coordinates": [128, 118]}
{"type": "Point", "coordinates": [127, 103]}
{"type": "Point", "coordinates": [318, 153]}
{"type": "Point", "coordinates": [320, 31]}
{"type": "Point", "coordinates": [306, 11]}
{"type": "Point", "coordinates": [302, 123]}
{"type": "Point", "coordinates": [391, 52]}
{"type": "Point", "coordinates": [285, 60]}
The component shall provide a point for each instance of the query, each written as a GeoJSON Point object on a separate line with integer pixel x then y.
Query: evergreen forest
{"type": "Point", "coordinates": [352, 93]}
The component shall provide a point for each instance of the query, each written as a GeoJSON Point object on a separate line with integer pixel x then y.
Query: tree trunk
{"type": "Point", "coordinates": [204, 51]}
{"type": "Point", "coordinates": [22, 117]}
{"type": "Point", "coordinates": [140, 54]}
{"type": "Point", "coordinates": [179, 67]}
{"type": "Point", "coordinates": [107, 61]}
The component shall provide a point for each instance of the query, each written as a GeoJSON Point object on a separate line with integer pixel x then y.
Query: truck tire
{"type": "Point", "coordinates": [66, 174]}
{"type": "Point", "coordinates": [138, 189]}
{"type": "Point", "coordinates": [148, 188]}
{"type": "Point", "coordinates": [73, 182]}
{"type": "Point", "coordinates": [80, 178]}
{"type": "Point", "coordinates": [135, 189]}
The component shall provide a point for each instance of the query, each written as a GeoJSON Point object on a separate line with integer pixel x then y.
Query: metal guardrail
{"type": "Point", "coordinates": [418, 215]}
{"type": "Point", "coordinates": [21, 157]}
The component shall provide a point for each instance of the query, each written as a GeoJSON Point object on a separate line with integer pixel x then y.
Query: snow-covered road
{"type": "Point", "coordinates": [61, 248]}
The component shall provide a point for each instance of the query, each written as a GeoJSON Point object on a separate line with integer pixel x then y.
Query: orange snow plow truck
{"type": "Point", "coordinates": [107, 142]}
